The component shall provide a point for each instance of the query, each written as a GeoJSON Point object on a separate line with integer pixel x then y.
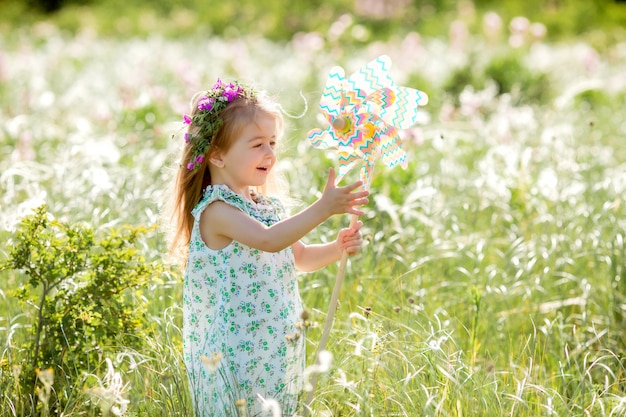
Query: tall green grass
{"type": "Point", "coordinates": [493, 279]}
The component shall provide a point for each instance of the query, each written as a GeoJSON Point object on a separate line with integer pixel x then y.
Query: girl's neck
{"type": "Point", "coordinates": [248, 193]}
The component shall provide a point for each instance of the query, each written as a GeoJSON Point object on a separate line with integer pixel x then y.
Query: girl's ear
{"type": "Point", "coordinates": [215, 157]}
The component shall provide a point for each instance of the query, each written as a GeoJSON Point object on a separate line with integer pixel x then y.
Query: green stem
{"type": "Point", "coordinates": [35, 361]}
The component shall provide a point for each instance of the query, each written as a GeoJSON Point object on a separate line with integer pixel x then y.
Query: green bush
{"type": "Point", "coordinates": [513, 77]}
{"type": "Point", "coordinates": [459, 79]}
{"type": "Point", "coordinates": [79, 302]}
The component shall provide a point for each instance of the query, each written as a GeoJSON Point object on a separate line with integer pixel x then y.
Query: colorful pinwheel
{"type": "Point", "coordinates": [364, 112]}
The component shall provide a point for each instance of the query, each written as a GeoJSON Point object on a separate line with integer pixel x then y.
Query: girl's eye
{"type": "Point", "coordinates": [273, 144]}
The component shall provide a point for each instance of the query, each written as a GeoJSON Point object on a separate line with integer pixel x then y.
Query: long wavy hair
{"type": "Point", "coordinates": [188, 185]}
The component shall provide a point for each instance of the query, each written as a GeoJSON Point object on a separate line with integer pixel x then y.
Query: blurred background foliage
{"type": "Point", "coordinates": [281, 20]}
{"type": "Point", "coordinates": [500, 247]}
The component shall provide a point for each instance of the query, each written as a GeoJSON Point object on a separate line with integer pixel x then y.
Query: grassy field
{"type": "Point", "coordinates": [493, 282]}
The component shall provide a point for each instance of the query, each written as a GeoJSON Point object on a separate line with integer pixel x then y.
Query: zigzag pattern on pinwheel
{"type": "Point", "coordinates": [402, 113]}
{"type": "Point", "coordinates": [364, 144]}
{"type": "Point", "coordinates": [329, 113]}
{"type": "Point", "coordinates": [373, 107]}
{"type": "Point", "coordinates": [354, 133]}
{"type": "Point", "coordinates": [354, 97]}
{"type": "Point", "coordinates": [360, 142]}
{"type": "Point", "coordinates": [401, 110]}
{"type": "Point", "coordinates": [367, 80]}
{"type": "Point", "coordinates": [392, 152]}
{"type": "Point", "coordinates": [367, 170]}
{"type": "Point", "coordinates": [384, 97]}
{"type": "Point", "coordinates": [321, 139]}
{"type": "Point", "coordinates": [331, 96]}
{"type": "Point", "coordinates": [392, 155]}
{"type": "Point", "coordinates": [347, 159]}
{"type": "Point", "coordinates": [331, 101]}
{"type": "Point", "coordinates": [374, 75]}
{"type": "Point", "coordinates": [329, 107]}
{"type": "Point", "coordinates": [348, 139]}
{"type": "Point", "coordinates": [377, 102]}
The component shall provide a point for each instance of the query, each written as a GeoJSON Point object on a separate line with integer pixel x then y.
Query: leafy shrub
{"type": "Point", "coordinates": [512, 76]}
{"type": "Point", "coordinates": [77, 296]}
{"type": "Point", "coordinates": [459, 79]}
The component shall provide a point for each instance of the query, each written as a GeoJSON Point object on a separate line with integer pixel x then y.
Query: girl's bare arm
{"type": "Point", "coordinates": [221, 221]}
{"type": "Point", "coordinates": [313, 257]}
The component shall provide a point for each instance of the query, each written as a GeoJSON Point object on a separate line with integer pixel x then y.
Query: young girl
{"type": "Point", "coordinates": [241, 303]}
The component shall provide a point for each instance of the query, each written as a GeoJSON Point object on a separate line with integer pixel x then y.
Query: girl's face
{"type": "Point", "coordinates": [250, 158]}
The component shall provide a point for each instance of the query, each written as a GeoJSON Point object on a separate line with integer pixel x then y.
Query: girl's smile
{"type": "Point", "coordinates": [250, 159]}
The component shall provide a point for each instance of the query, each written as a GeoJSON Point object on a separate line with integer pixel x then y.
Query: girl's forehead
{"type": "Point", "coordinates": [261, 124]}
{"type": "Point", "coordinates": [264, 117]}
{"type": "Point", "coordinates": [264, 120]}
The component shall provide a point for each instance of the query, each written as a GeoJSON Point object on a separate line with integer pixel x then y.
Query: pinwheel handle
{"type": "Point", "coordinates": [329, 317]}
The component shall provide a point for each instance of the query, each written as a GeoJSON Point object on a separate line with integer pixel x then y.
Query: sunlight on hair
{"type": "Point", "coordinates": [295, 116]}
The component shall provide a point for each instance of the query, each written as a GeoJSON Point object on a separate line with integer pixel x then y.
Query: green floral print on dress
{"type": "Point", "coordinates": [239, 305]}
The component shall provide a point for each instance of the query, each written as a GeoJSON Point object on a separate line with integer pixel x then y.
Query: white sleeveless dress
{"type": "Point", "coordinates": [240, 314]}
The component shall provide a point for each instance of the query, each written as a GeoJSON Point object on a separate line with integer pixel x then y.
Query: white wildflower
{"type": "Point", "coordinates": [323, 365]}
{"type": "Point", "coordinates": [271, 405]}
{"type": "Point", "coordinates": [109, 396]}
{"type": "Point", "coordinates": [211, 364]}
{"type": "Point", "coordinates": [46, 377]}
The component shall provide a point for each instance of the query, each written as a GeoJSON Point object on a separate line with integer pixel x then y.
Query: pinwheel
{"type": "Point", "coordinates": [364, 113]}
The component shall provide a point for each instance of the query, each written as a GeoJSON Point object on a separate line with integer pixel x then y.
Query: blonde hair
{"type": "Point", "coordinates": [188, 185]}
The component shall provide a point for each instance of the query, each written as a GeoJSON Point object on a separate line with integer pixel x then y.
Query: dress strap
{"type": "Point", "coordinates": [219, 192]}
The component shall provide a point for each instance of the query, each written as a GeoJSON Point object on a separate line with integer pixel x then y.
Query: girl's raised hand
{"type": "Point", "coordinates": [339, 200]}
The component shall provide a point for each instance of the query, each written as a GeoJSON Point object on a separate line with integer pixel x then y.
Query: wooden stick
{"type": "Point", "coordinates": [329, 320]}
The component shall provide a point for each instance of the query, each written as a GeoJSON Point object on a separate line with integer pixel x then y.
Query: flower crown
{"type": "Point", "coordinates": [207, 117]}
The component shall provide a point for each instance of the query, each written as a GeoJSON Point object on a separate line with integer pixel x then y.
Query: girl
{"type": "Point", "coordinates": [241, 303]}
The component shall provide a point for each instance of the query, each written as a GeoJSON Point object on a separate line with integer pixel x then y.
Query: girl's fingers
{"type": "Point", "coordinates": [345, 198]}
{"type": "Point", "coordinates": [353, 186]}
{"type": "Point", "coordinates": [352, 231]}
{"type": "Point", "coordinates": [353, 247]}
{"type": "Point", "coordinates": [359, 201]}
{"type": "Point", "coordinates": [355, 231]}
{"type": "Point", "coordinates": [352, 210]}
{"type": "Point", "coordinates": [330, 182]}
{"type": "Point", "coordinates": [351, 239]}
{"type": "Point", "coordinates": [360, 194]}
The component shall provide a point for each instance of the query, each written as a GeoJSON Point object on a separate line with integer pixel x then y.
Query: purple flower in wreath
{"type": "Point", "coordinates": [231, 92]}
{"type": "Point", "coordinates": [206, 103]}
{"type": "Point", "coordinates": [207, 118]}
{"type": "Point", "coordinates": [218, 84]}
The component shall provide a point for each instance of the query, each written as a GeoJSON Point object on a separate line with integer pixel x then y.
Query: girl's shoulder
{"type": "Point", "coordinates": [219, 192]}
{"type": "Point", "coordinates": [262, 208]}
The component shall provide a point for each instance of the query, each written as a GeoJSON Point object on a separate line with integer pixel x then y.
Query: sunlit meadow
{"type": "Point", "coordinates": [493, 279]}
